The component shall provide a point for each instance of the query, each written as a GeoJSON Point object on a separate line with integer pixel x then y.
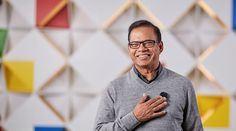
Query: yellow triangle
{"type": "Point", "coordinates": [214, 110]}
{"type": "Point", "coordinates": [19, 76]}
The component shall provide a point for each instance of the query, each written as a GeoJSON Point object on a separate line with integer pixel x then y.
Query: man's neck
{"type": "Point", "coordinates": [148, 72]}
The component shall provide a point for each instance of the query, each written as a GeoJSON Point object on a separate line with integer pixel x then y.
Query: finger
{"type": "Point", "coordinates": [158, 102]}
{"type": "Point", "coordinates": [158, 114]}
{"type": "Point", "coordinates": [159, 107]}
{"type": "Point", "coordinates": [149, 102]}
{"type": "Point", "coordinates": [143, 98]}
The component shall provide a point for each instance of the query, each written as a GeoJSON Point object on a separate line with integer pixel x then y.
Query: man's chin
{"type": "Point", "coordinates": [143, 65]}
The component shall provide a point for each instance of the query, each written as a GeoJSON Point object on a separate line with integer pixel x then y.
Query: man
{"type": "Point", "coordinates": [149, 97]}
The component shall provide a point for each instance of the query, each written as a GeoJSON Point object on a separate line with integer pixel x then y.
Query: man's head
{"type": "Point", "coordinates": [145, 44]}
{"type": "Point", "coordinates": [145, 23]}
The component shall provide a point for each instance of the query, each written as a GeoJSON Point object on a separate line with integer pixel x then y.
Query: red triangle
{"type": "Point", "coordinates": [45, 6]}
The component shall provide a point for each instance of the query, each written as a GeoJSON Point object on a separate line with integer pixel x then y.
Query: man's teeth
{"type": "Point", "coordinates": [144, 56]}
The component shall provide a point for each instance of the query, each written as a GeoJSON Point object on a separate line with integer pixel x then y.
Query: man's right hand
{"type": "Point", "coordinates": [148, 109]}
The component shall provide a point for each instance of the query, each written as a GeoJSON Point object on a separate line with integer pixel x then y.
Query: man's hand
{"type": "Point", "coordinates": [148, 109]}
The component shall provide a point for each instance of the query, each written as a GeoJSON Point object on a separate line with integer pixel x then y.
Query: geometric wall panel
{"type": "Point", "coordinates": [60, 39]}
{"type": "Point", "coordinates": [214, 110]}
{"type": "Point", "coordinates": [49, 128]}
{"type": "Point", "coordinates": [118, 30]}
{"type": "Point", "coordinates": [81, 85]}
{"type": "Point", "coordinates": [197, 30]}
{"type": "Point", "coordinates": [223, 9]}
{"type": "Point", "coordinates": [34, 112]}
{"type": "Point", "coordinates": [234, 15]}
{"type": "Point", "coordinates": [24, 11]}
{"type": "Point", "coordinates": [2, 79]}
{"type": "Point", "coordinates": [60, 83]}
{"type": "Point", "coordinates": [19, 76]}
{"type": "Point", "coordinates": [128, 15]}
{"type": "Point", "coordinates": [3, 107]}
{"type": "Point", "coordinates": [59, 104]}
{"type": "Point", "coordinates": [83, 121]}
{"type": "Point", "coordinates": [17, 20]}
{"type": "Point", "coordinates": [53, 13]}
{"type": "Point", "coordinates": [203, 85]}
{"type": "Point", "coordinates": [80, 103]}
{"type": "Point", "coordinates": [167, 17]}
{"type": "Point", "coordinates": [233, 114]}
{"type": "Point", "coordinates": [182, 64]}
{"type": "Point", "coordinates": [15, 101]}
{"type": "Point", "coordinates": [27, 50]}
{"type": "Point", "coordinates": [120, 38]}
{"type": "Point", "coordinates": [3, 36]}
{"type": "Point", "coordinates": [80, 19]}
{"type": "Point", "coordinates": [78, 38]}
{"type": "Point", "coordinates": [100, 11]}
{"type": "Point", "coordinates": [3, 15]}
{"type": "Point", "coordinates": [223, 69]}
{"type": "Point", "coordinates": [90, 62]}
{"type": "Point", "coordinates": [65, 99]}
{"type": "Point", "coordinates": [14, 38]}
{"type": "Point", "coordinates": [67, 105]}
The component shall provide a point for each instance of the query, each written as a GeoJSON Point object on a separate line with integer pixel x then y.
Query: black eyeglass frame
{"type": "Point", "coordinates": [145, 43]}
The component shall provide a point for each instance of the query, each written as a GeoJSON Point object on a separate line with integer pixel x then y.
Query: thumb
{"type": "Point", "coordinates": [143, 98]}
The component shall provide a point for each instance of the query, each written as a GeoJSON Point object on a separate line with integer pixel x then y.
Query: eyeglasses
{"type": "Point", "coordinates": [145, 43]}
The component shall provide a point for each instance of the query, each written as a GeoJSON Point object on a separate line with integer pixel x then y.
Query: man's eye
{"type": "Point", "coordinates": [134, 45]}
{"type": "Point", "coordinates": [149, 42]}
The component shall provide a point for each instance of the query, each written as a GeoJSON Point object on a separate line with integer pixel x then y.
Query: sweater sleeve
{"type": "Point", "coordinates": [192, 120]}
{"type": "Point", "coordinates": [106, 118]}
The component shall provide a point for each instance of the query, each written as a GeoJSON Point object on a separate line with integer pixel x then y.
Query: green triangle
{"type": "Point", "coordinates": [3, 36]}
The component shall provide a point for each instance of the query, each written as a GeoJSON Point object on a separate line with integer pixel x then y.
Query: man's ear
{"type": "Point", "coordinates": [161, 46]}
{"type": "Point", "coordinates": [128, 48]}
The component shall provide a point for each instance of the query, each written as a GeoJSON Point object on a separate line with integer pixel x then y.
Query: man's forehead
{"type": "Point", "coordinates": [142, 32]}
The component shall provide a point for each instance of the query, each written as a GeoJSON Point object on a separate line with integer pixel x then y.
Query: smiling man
{"type": "Point", "coordinates": [149, 97]}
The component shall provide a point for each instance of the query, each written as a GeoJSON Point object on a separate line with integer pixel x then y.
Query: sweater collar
{"type": "Point", "coordinates": [157, 72]}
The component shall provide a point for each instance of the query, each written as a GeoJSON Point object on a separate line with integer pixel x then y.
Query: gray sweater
{"type": "Point", "coordinates": [115, 112]}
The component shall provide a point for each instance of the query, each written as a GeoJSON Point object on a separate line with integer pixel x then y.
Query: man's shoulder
{"type": "Point", "coordinates": [121, 79]}
{"type": "Point", "coordinates": [175, 76]}
{"type": "Point", "coordinates": [118, 84]}
{"type": "Point", "coordinates": [182, 82]}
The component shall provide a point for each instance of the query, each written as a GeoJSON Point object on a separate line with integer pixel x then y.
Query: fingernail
{"type": "Point", "coordinates": [164, 98]}
{"type": "Point", "coordinates": [144, 94]}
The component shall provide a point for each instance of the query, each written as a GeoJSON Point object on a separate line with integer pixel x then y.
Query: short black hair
{"type": "Point", "coordinates": [145, 23]}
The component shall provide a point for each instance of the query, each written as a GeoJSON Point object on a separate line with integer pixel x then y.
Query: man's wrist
{"type": "Point", "coordinates": [130, 121]}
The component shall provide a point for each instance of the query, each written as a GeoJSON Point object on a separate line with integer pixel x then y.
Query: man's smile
{"type": "Point", "coordinates": [143, 56]}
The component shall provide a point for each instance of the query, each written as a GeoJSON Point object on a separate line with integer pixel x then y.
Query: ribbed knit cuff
{"type": "Point", "coordinates": [130, 121]}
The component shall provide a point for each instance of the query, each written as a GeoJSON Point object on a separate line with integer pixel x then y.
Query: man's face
{"type": "Point", "coordinates": [145, 57]}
